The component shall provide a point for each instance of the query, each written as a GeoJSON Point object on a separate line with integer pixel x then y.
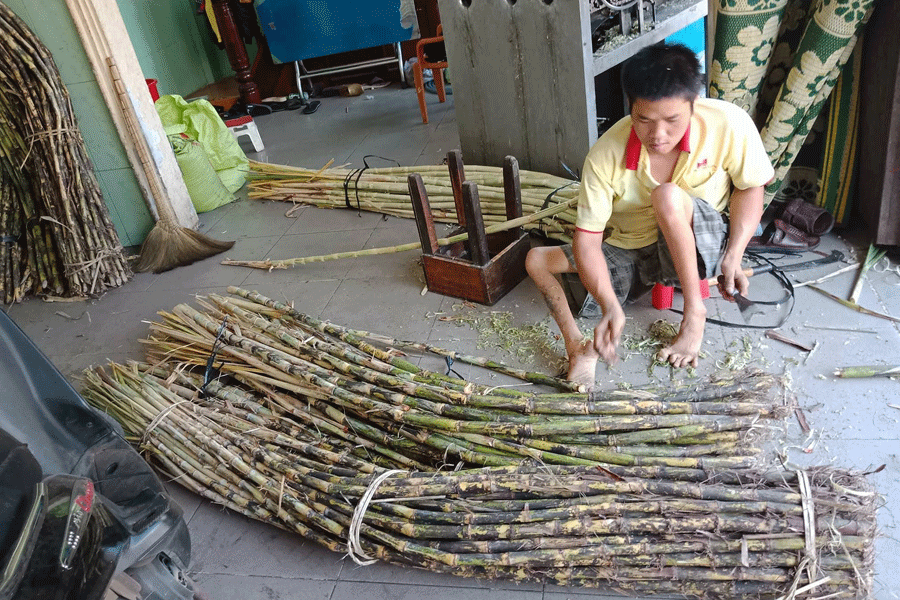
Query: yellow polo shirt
{"type": "Point", "coordinates": [721, 149]}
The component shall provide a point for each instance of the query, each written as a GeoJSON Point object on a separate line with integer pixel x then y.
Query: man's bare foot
{"type": "Point", "coordinates": [583, 364]}
{"type": "Point", "coordinates": [685, 348]}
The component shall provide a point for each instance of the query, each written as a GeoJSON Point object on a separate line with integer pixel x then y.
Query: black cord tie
{"type": "Point", "coordinates": [208, 374]}
{"type": "Point", "coordinates": [450, 369]}
{"type": "Point", "coordinates": [358, 173]}
{"type": "Point", "coordinates": [789, 297]}
{"type": "Point", "coordinates": [574, 174]}
{"type": "Point", "coordinates": [549, 197]}
{"type": "Point", "coordinates": [347, 186]}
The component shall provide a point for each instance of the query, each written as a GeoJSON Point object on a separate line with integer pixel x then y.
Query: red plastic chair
{"type": "Point", "coordinates": [437, 69]}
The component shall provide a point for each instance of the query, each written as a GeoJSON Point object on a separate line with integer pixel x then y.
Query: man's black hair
{"type": "Point", "coordinates": [662, 71]}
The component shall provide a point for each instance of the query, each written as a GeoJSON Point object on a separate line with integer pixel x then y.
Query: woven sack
{"type": "Point", "coordinates": [203, 184]}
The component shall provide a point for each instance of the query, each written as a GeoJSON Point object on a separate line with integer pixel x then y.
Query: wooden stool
{"type": "Point", "coordinates": [484, 267]}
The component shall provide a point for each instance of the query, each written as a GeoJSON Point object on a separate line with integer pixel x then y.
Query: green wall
{"type": "Point", "coordinates": [172, 46]}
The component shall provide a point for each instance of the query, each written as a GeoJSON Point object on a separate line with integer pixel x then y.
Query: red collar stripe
{"type": "Point", "coordinates": [632, 151]}
{"type": "Point", "coordinates": [685, 144]}
{"type": "Point", "coordinates": [633, 148]}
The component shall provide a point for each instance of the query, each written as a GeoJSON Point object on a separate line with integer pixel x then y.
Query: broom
{"type": "Point", "coordinates": [168, 245]}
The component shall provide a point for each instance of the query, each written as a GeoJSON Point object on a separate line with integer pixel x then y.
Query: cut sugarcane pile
{"type": "Point", "coordinates": [57, 238]}
{"type": "Point", "coordinates": [385, 191]}
{"type": "Point", "coordinates": [333, 434]}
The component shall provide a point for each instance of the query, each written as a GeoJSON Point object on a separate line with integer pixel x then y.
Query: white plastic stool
{"type": "Point", "coordinates": [245, 126]}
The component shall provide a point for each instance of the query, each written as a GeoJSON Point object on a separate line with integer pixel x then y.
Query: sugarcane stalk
{"type": "Point", "coordinates": [292, 262]}
{"type": "Point", "coordinates": [873, 255]}
{"type": "Point", "coordinates": [854, 306]}
{"type": "Point", "coordinates": [553, 487]}
{"type": "Point", "coordinates": [868, 371]}
{"type": "Point", "coordinates": [366, 369]}
{"type": "Point", "coordinates": [73, 249]}
{"type": "Point", "coordinates": [482, 174]}
{"type": "Point", "coordinates": [353, 337]}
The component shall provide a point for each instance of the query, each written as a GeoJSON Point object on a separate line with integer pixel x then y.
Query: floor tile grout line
{"type": "Point", "coordinates": [343, 279]}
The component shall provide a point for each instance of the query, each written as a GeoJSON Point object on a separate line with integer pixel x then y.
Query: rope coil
{"type": "Point", "coordinates": [354, 545]}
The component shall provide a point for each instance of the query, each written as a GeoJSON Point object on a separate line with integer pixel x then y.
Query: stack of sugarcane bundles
{"type": "Point", "coordinates": [386, 191]}
{"type": "Point", "coordinates": [57, 238]}
{"type": "Point", "coordinates": [331, 433]}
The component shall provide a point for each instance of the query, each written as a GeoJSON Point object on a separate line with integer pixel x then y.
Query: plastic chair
{"type": "Point", "coordinates": [434, 46]}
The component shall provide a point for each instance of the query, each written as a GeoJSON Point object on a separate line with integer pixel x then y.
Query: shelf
{"type": "Point", "coordinates": [671, 17]}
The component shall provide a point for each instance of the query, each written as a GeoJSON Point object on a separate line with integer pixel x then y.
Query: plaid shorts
{"type": "Point", "coordinates": [630, 270]}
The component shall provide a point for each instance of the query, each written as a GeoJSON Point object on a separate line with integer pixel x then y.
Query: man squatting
{"type": "Point", "coordinates": [653, 192]}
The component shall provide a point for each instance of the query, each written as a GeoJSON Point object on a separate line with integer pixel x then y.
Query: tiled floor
{"type": "Point", "coordinates": [856, 421]}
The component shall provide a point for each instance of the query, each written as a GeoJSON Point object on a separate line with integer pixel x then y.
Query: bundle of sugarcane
{"type": "Point", "coordinates": [57, 237]}
{"type": "Point", "coordinates": [385, 190]}
{"type": "Point", "coordinates": [330, 433]}
{"type": "Point", "coordinates": [362, 379]}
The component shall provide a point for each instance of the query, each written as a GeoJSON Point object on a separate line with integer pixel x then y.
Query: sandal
{"type": "Point", "coordinates": [289, 102]}
{"type": "Point", "coordinates": [782, 235]}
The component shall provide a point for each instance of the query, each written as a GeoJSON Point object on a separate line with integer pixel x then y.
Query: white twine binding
{"type": "Point", "coordinates": [809, 524]}
{"type": "Point", "coordinates": [810, 561]}
{"type": "Point", "coordinates": [354, 546]}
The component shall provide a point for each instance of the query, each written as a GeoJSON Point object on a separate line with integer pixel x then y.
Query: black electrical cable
{"type": "Point", "coordinates": [789, 297]}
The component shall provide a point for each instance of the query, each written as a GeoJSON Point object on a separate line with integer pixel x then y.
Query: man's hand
{"type": "Point", "coordinates": [608, 333]}
{"type": "Point", "coordinates": [732, 279]}
{"type": "Point", "coordinates": [746, 208]}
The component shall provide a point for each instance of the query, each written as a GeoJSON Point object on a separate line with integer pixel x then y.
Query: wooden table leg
{"type": "Point", "coordinates": [237, 53]}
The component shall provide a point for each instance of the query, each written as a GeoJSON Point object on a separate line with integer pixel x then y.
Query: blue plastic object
{"type": "Point", "coordinates": [694, 37]}
{"type": "Point", "coordinates": [301, 29]}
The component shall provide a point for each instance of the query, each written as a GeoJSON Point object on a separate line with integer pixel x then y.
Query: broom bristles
{"type": "Point", "coordinates": [167, 247]}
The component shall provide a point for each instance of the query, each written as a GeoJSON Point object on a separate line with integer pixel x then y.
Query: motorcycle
{"type": "Point", "coordinates": [82, 515]}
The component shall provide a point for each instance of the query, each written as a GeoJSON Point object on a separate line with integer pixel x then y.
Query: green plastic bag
{"type": "Point", "coordinates": [199, 120]}
{"type": "Point", "coordinates": [203, 184]}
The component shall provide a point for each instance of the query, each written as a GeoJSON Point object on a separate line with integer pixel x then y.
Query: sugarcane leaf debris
{"type": "Point", "coordinates": [740, 358]}
{"type": "Point", "coordinates": [532, 343]}
{"type": "Point", "coordinates": [873, 256]}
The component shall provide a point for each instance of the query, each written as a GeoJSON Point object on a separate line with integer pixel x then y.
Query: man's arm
{"type": "Point", "coordinates": [746, 208]}
{"type": "Point", "coordinates": [594, 273]}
